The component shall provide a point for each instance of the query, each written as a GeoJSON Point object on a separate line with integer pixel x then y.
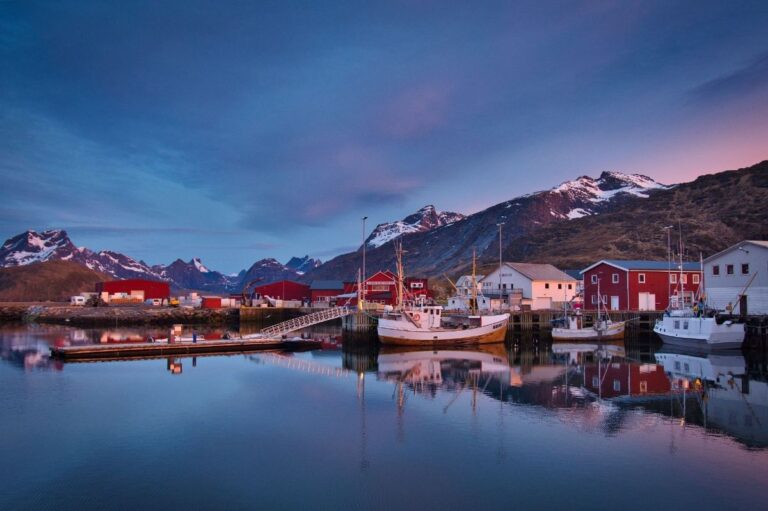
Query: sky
{"type": "Point", "coordinates": [238, 130]}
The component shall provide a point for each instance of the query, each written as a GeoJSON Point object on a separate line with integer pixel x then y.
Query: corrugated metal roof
{"type": "Point", "coordinates": [536, 271]}
{"type": "Point", "coordinates": [759, 243]}
{"type": "Point", "coordinates": [327, 284]}
{"type": "Point", "coordinates": [651, 265]}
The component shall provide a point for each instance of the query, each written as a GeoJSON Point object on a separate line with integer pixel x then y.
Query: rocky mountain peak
{"type": "Point", "coordinates": [303, 264]}
{"type": "Point", "coordinates": [423, 220]}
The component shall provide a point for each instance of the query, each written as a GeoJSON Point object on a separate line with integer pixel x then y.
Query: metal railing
{"type": "Point", "coordinates": [307, 320]}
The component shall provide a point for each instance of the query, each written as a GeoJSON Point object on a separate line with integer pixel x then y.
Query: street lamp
{"type": "Point", "coordinates": [363, 279]}
{"type": "Point", "coordinates": [499, 225]}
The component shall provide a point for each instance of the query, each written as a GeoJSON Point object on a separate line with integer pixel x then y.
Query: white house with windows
{"type": "Point", "coordinates": [738, 276]}
{"type": "Point", "coordinates": [541, 285]}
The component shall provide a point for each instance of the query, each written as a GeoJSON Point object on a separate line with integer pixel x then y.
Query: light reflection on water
{"type": "Point", "coordinates": [532, 423]}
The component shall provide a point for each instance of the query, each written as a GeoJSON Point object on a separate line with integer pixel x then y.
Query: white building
{"type": "Point", "coordinates": [463, 297]}
{"type": "Point", "coordinates": [727, 274]}
{"type": "Point", "coordinates": [542, 285]}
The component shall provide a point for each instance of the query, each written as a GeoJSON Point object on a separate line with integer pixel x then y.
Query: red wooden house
{"type": "Point", "coordinates": [326, 290]}
{"type": "Point", "coordinates": [639, 285]}
{"type": "Point", "coordinates": [284, 290]}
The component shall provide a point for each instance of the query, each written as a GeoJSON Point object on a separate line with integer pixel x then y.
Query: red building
{"type": "Point", "coordinates": [151, 288]}
{"type": "Point", "coordinates": [622, 379]}
{"type": "Point", "coordinates": [326, 290]}
{"type": "Point", "coordinates": [381, 287]}
{"type": "Point", "coordinates": [284, 290]}
{"type": "Point", "coordinates": [639, 285]}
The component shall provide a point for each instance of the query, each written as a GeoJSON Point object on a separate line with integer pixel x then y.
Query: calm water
{"type": "Point", "coordinates": [529, 425]}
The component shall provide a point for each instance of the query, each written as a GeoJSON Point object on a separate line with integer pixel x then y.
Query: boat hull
{"type": "Point", "coordinates": [487, 334]}
{"type": "Point", "coordinates": [613, 332]}
{"type": "Point", "coordinates": [700, 333]}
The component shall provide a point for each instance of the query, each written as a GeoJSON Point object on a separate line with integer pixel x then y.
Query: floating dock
{"type": "Point", "coordinates": [147, 349]}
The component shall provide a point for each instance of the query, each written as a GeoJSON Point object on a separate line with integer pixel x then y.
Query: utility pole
{"type": "Point", "coordinates": [500, 264]}
{"type": "Point", "coordinates": [363, 280]}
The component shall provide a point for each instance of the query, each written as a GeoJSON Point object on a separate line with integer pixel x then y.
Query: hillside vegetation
{"type": "Point", "coordinates": [48, 281]}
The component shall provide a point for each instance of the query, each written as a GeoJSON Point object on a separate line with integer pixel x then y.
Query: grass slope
{"type": "Point", "coordinates": [48, 281]}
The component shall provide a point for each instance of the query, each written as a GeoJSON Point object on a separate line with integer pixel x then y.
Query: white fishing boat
{"type": "Point", "coordinates": [571, 326]}
{"type": "Point", "coordinates": [696, 326]}
{"type": "Point", "coordinates": [424, 325]}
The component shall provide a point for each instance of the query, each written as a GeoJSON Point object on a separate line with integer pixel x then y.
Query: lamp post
{"type": "Point", "coordinates": [499, 225]}
{"type": "Point", "coordinates": [363, 278]}
{"type": "Point", "coordinates": [669, 264]}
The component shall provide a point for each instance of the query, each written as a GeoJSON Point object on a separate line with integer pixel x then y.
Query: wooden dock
{"type": "Point", "coordinates": [146, 349]}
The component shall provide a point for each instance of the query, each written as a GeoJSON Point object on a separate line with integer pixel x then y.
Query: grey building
{"type": "Point", "coordinates": [739, 276]}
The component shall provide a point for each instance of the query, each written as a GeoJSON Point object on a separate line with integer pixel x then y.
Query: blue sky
{"type": "Point", "coordinates": [240, 130]}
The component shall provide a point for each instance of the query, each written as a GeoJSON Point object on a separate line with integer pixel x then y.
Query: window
{"type": "Point", "coordinates": [615, 278]}
{"type": "Point", "coordinates": [673, 278]}
{"type": "Point", "coordinates": [617, 385]}
{"type": "Point", "coordinates": [686, 367]}
{"type": "Point", "coordinates": [594, 300]}
{"type": "Point", "coordinates": [417, 285]}
{"type": "Point", "coordinates": [605, 299]}
{"type": "Point", "coordinates": [696, 278]}
{"type": "Point", "coordinates": [643, 386]}
{"type": "Point", "coordinates": [684, 278]}
{"type": "Point", "coordinates": [677, 365]}
{"type": "Point", "coordinates": [641, 278]}
{"type": "Point", "coordinates": [716, 269]}
{"type": "Point", "coordinates": [745, 269]}
{"type": "Point", "coordinates": [677, 327]}
{"type": "Point", "coordinates": [546, 285]}
{"type": "Point", "coordinates": [729, 269]}
{"type": "Point", "coordinates": [685, 325]}
{"type": "Point", "coordinates": [559, 286]}
{"type": "Point", "coordinates": [595, 381]}
{"type": "Point", "coordinates": [570, 286]}
{"type": "Point", "coordinates": [594, 279]}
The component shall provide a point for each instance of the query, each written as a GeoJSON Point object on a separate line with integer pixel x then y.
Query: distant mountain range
{"type": "Point", "coordinates": [571, 225]}
{"type": "Point", "coordinates": [55, 245]}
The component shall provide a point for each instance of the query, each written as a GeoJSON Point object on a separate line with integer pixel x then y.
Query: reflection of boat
{"type": "Point", "coordinates": [602, 350]}
{"type": "Point", "coordinates": [431, 366]}
{"type": "Point", "coordinates": [734, 402]}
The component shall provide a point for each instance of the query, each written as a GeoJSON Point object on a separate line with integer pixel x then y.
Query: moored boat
{"type": "Point", "coordinates": [424, 326]}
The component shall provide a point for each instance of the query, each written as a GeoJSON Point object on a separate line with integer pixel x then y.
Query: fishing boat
{"type": "Point", "coordinates": [698, 326]}
{"type": "Point", "coordinates": [425, 326]}
{"type": "Point", "coordinates": [571, 325]}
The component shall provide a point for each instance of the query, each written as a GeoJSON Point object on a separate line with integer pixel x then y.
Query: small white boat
{"type": "Point", "coordinates": [603, 329]}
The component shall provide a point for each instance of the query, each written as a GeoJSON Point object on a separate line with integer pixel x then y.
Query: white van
{"type": "Point", "coordinates": [77, 300]}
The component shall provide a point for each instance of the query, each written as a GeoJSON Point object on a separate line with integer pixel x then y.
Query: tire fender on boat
{"type": "Point", "coordinates": [416, 317]}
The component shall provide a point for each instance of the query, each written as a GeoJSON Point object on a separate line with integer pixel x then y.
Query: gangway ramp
{"type": "Point", "coordinates": [306, 320]}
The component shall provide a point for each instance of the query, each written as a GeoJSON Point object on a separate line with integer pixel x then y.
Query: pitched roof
{"type": "Point", "coordinates": [535, 271]}
{"type": "Point", "coordinates": [759, 243]}
{"type": "Point", "coordinates": [327, 284]}
{"type": "Point", "coordinates": [644, 265]}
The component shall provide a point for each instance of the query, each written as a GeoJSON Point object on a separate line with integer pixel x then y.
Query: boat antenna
{"type": "Point", "coordinates": [400, 273]}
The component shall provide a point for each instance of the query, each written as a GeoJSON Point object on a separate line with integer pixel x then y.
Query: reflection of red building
{"type": "Point", "coordinates": [150, 288]}
{"type": "Point", "coordinates": [284, 290]}
{"type": "Point", "coordinates": [622, 379]}
{"type": "Point", "coordinates": [638, 285]}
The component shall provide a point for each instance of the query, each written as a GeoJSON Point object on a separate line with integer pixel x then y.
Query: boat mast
{"type": "Point", "coordinates": [682, 285]}
{"type": "Point", "coordinates": [400, 273]}
{"type": "Point", "coordinates": [473, 305]}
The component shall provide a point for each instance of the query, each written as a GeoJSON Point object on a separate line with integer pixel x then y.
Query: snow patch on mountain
{"type": "Point", "coordinates": [425, 219]}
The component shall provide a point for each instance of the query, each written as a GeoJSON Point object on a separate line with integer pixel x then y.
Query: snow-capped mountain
{"type": "Point", "coordinates": [431, 250]}
{"type": "Point", "coordinates": [425, 219]}
{"type": "Point", "coordinates": [301, 265]}
{"type": "Point", "coordinates": [585, 195]}
{"type": "Point", "coordinates": [53, 245]}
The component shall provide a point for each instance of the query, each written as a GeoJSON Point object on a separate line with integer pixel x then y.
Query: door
{"type": "Point", "coordinates": [646, 301]}
{"type": "Point", "coordinates": [614, 303]}
{"type": "Point", "coordinates": [743, 305]}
